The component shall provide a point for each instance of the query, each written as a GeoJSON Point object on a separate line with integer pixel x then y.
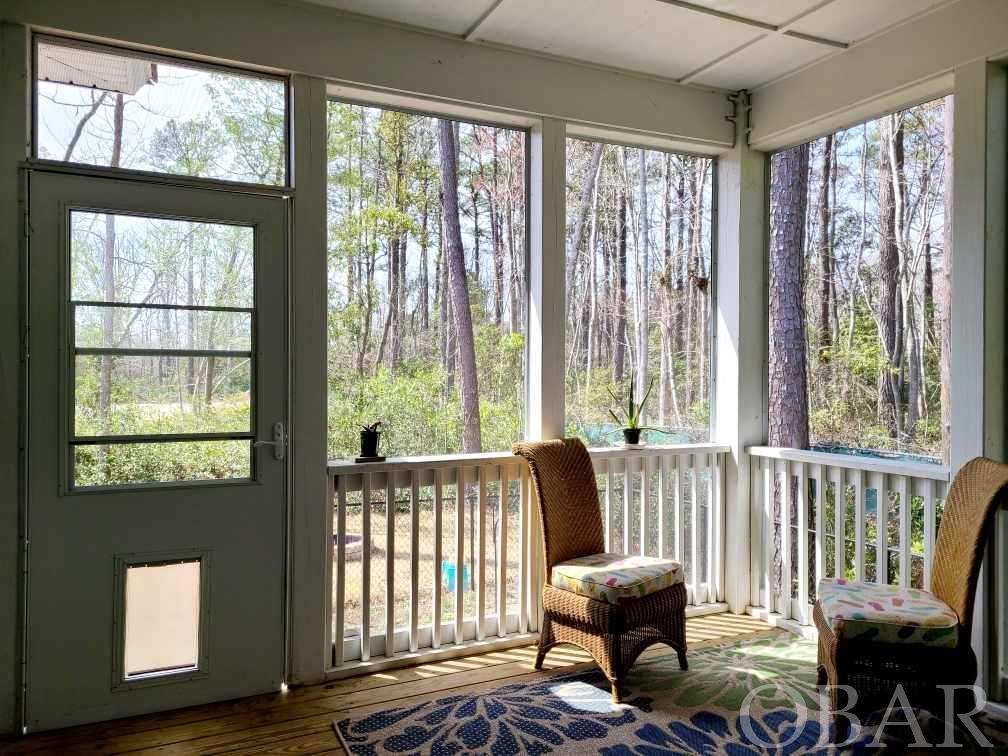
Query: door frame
{"type": "Point", "coordinates": [65, 420]}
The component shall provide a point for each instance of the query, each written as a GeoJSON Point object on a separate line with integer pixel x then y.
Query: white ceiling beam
{"type": "Point", "coordinates": [910, 63]}
{"type": "Point", "coordinates": [354, 50]}
{"type": "Point", "coordinates": [786, 29]}
{"type": "Point", "coordinates": [473, 32]}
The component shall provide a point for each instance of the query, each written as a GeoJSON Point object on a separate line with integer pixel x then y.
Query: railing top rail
{"type": "Point", "coordinates": [868, 464]}
{"type": "Point", "coordinates": [393, 464]}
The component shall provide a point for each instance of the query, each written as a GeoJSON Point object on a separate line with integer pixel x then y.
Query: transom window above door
{"type": "Point", "coordinates": [115, 108]}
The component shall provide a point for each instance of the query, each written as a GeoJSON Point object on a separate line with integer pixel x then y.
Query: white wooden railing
{"type": "Point", "coordinates": [416, 602]}
{"type": "Point", "coordinates": [831, 499]}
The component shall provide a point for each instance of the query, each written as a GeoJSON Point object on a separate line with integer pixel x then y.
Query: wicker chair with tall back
{"type": "Point", "coordinates": [875, 637]}
{"type": "Point", "coordinates": [612, 605]}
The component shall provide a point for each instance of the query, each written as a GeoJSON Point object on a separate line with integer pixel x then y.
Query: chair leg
{"type": "Point", "coordinates": [683, 664]}
{"type": "Point", "coordinates": [617, 691]}
{"type": "Point", "coordinates": [822, 678]}
{"type": "Point", "coordinates": [545, 641]}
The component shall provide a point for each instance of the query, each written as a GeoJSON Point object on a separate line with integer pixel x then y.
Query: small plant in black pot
{"type": "Point", "coordinates": [630, 418]}
{"type": "Point", "coordinates": [370, 435]}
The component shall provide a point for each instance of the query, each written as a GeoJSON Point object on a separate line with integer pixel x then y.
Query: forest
{"type": "Point", "coordinates": [427, 283]}
{"type": "Point", "coordinates": [860, 237]}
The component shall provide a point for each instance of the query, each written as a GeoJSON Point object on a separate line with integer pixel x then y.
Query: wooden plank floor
{"type": "Point", "coordinates": [300, 721]}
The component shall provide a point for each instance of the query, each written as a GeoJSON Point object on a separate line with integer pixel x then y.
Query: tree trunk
{"type": "Point", "coordinates": [825, 253]}
{"type": "Point", "coordinates": [643, 285]}
{"type": "Point", "coordinates": [619, 332]}
{"type": "Point", "coordinates": [890, 295]}
{"type": "Point", "coordinates": [469, 389]}
{"type": "Point", "coordinates": [424, 276]}
{"type": "Point", "coordinates": [788, 409]}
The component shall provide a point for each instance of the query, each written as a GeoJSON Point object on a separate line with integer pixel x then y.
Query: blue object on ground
{"type": "Point", "coordinates": [448, 572]}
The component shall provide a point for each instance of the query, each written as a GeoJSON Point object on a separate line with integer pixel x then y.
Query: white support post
{"type": "Point", "coordinates": [740, 345]}
{"type": "Point", "coordinates": [547, 272]}
{"type": "Point", "coordinates": [310, 517]}
{"type": "Point", "coordinates": [978, 317]}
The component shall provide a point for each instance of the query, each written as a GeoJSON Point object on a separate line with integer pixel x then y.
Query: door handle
{"type": "Point", "coordinates": [279, 442]}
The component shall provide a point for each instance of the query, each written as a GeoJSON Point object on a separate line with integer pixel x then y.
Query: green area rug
{"type": "Point", "coordinates": [666, 711]}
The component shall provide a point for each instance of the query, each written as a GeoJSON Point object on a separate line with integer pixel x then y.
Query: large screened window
{"type": "Point", "coordinates": [639, 290]}
{"type": "Point", "coordinates": [427, 282]}
{"type": "Point", "coordinates": [108, 107]}
{"type": "Point", "coordinates": [859, 287]}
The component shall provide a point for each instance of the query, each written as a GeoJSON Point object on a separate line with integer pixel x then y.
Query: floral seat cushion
{"type": "Point", "coordinates": [615, 577]}
{"type": "Point", "coordinates": [887, 613]}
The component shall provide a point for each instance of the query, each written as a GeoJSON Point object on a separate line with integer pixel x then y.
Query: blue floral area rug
{"type": "Point", "coordinates": [746, 697]}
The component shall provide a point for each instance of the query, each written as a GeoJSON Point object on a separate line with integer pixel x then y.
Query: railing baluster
{"type": "Point", "coordinates": [903, 491]}
{"type": "Point", "coordinates": [662, 502]}
{"type": "Point", "coordinates": [710, 535]}
{"type": "Point", "coordinates": [459, 552]}
{"type": "Point", "coordinates": [819, 475]}
{"type": "Point", "coordinates": [839, 521]}
{"type": "Point", "coordinates": [928, 494]}
{"type": "Point", "coordinates": [481, 554]}
{"type": "Point", "coordinates": [857, 479]}
{"type": "Point", "coordinates": [503, 488]}
{"type": "Point", "coordinates": [645, 505]}
{"type": "Point", "coordinates": [436, 559]}
{"type": "Point", "coordinates": [879, 482]}
{"type": "Point", "coordinates": [627, 503]}
{"type": "Point", "coordinates": [678, 533]}
{"type": "Point", "coordinates": [365, 631]}
{"type": "Point", "coordinates": [523, 549]}
{"type": "Point", "coordinates": [610, 508]}
{"type": "Point", "coordinates": [717, 560]}
{"type": "Point", "coordinates": [803, 531]}
{"type": "Point", "coordinates": [767, 468]}
{"type": "Point", "coordinates": [390, 559]}
{"type": "Point", "coordinates": [694, 529]}
{"type": "Point", "coordinates": [339, 631]}
{"type": "Point", "coordinates": [414, 559]}
{"type": "Point", "coordinates": [785, 540]}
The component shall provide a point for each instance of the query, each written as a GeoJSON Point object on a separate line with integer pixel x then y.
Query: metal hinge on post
{"type": "Point", "coordinates": [741, 100]}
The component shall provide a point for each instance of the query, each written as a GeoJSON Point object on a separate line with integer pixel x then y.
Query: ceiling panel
{"type": "Point", "coordinates": [450, 16]}
{"type": "Point", "coordinates": [853, 20]}
{"type": "Point", "coordinates": [641, 35]}
{"type": "Point", "coordinates": [770, 11]}
{"type": "Point", "coordinates": [771, 57]}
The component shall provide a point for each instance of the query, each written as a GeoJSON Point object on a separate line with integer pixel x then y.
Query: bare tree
{"type": "Point", "coordinates": [458, 283]}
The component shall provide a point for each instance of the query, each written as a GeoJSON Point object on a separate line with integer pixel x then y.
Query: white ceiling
{"type": "Point", "coordinates": [731, 44]}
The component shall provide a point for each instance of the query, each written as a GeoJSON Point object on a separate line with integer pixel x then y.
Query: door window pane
{"type": "Point", "coordinates": [161, 462]}
{"type": "Point", "coordinates": [161, 632]}
{"type": "Point", "coordinates": [161, 332]}
{"type": "Point", "coordinates": [142, 260]}
{"type": "Point", "coordinates": [154, 394]}
{"type": "Point", "coordinates": [108, 107]}
{"type": "Point", "coordinates": [123, 327]}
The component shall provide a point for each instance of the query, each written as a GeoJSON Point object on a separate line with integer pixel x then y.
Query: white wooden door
{"type": "Point", "coordinates": [157, 359]}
